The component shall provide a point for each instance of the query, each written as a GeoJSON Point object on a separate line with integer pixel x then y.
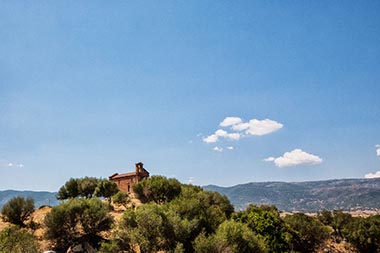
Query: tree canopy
{"type": "Point", "coordinates": [17, 210]}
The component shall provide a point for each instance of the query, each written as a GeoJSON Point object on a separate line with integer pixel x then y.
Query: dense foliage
{"type": "Point", "coordinates": [87, 187]}
{"type": "Point", "coordinates": [265, 221]}
{"type": "Point", "coordinates": [182, 218]}
{"type": "Point", "coordinates": [77, 220]}
{"type": "Point", "coordinates": [363, 233]}
{"type": "Point", "coordinates": [158, 189]}
{"type": "Point", "coordinates": [16, 240]}
{"type": "Point", "coordinates": [17, 210]}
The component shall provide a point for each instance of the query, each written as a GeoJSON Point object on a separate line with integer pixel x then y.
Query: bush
{"type": "Point", "coordinates": [77, 220]}
{"type": "Point", "coordinates": [265, 221]}
{"type": "Point", "coordinates": [16, 240]}
{"type": "Point", "coordinates": [121, 198]}
{"type": "Point", "coordinates": [17, 210]}
{"type": "Point", "coordinates": [364, 233]}
{"type": "Point", "coordinates": [230, 237]}
{"type": "Point", "coordinates": [307, 232]}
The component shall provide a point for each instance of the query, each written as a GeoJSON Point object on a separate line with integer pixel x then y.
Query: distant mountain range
{"type": "Point", "coordinates": [40, 198]}
{"type": "Point", "coordinates": [314, 196]}
{"type": "Point", "coordinates": [340, 194]}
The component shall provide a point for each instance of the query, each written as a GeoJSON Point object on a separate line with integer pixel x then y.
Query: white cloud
{"type": "Point", "coordinates": [10, 164]}
{"type": "Point", "coordinates": [243, 129]}
{"type": "Point", "coordinates": [372, 175]}
{"type": "Point", "coordinates": [191, 180]}
{"type": "Point", "coordinates": [230, 148]}
{"type": "Point", "coordinates": [295, 157]}
{"type": "Point", "coordinates": [262, 127]}
{"type": "Point", "coordinates": [221, 133]}
{"type": "Point", "coordinates": [211, 139]}
{"type": "Point", "coordinates": [377, 149]}
{"type": "Point", "coordinates": [269, 159]}
{"type": "Point", "coordinates": [230, 121]}
{"type": "Point", "coordinates": [218, 149]}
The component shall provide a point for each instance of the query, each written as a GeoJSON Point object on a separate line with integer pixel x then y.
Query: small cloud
{"type": "Point", "coordinates": [295, 157]}
{"type": "Point", "coordinates": [377, 146]}
{"type": "Point", "coordinates": [230, 148]}
{"type": "Point", "coordinates": [269, 159]}
{"type": "Point", "coordinates": [372, 175]}
{"type": "Point", "coordinates": [211, 139]}
{"type": "Point", "coordinates": [230, 121]}
{"type": "Point", "coordinates": [221, 134]}
{"type": "Point", "coordinates": [191, 180]}
{"type": "Point", "coordinates": [10, 164]}
{"type": "Point", "coordinates": [243, 129]}
{"type": "Point", "coordinates": [259, 127]}
{"type": "Point", "coordinates": [21, 165]}
{"type": "Point", "coordinates": [218, 149]}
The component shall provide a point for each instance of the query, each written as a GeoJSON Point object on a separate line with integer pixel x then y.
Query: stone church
{"type": "Point", "coordinates": [126, 181]}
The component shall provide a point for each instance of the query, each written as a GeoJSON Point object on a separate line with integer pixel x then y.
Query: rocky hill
{"type": "Point", "coordinates": [342, 194]}
{"type": "Point", "coordinates": [41, 198]}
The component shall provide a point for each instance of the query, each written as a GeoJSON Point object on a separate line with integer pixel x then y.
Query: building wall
{"type": "Point", "coordinates": [126, 183]}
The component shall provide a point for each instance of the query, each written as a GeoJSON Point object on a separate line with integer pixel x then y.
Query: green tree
{"type": "Point", "coordinates": [106, 189]}
{"type": "Point", "coordinates": [230, 237]}
{"type": "Point", "coordinates": [326, 217]}
{"type": "Point", "coordinates": [77, 220]}
{"type": "Point", "coordinates": [265, 221]}
{"type": "Point", "coordinates": [17, 210]}
{"type": "Point", "coordinates": [87, 186]}
{"type": "Point", "coordinates": [121, 198]}
{"type": "Point", "coordinates": [340, 222]}
{"type": "Point", "coordinates": [364, 233]}
{"type": "Point", "coordinates": [16, 240]}
{"type": "Point", "coordinates": [307, 232]}
{"type": "Point", "coordinates": [69, 190]}
{"type": "Point", "coordinates": [158, 189]}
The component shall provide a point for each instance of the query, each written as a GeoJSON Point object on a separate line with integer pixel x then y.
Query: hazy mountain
{"type": "Point", "coordinates": [344, 194]}
{"type": "Point", "coordinates": [40, 198]}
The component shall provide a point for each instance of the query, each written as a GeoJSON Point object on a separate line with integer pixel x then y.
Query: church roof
{"type": "Point", "coordinates": [129, 174]}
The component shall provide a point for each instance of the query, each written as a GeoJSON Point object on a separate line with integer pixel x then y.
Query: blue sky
{"type": "Point", "coordinates": [88, 88]}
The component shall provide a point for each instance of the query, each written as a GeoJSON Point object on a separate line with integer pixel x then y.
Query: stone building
{"type": "Point", "coordinates": [126, 181]}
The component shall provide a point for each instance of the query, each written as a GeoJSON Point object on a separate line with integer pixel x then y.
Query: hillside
{"type": "Point", "coordinates": [343, 194]}
{"type": "Point", "coordinates": [41, 198]}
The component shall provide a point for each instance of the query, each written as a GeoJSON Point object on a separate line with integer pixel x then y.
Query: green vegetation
{"type": "Point", "coordinates": [158, 189]}
{"type": "Point", "coordinates": [265, 221]}
{"type": "Point", "coordinates": [363, 233]}
{"type": "Point", "coordinates": [77, 220]}
{"type": "Point", "coordinates": [231, 237]}
{"type": "Point", "coordinates": [87, 187]}
{"type": "Point", "coordinates": [121, 198]}
{"type": "Point", "coordinates": [178, 218]}
{"type": "Point", "coordinates": [16, 240]}
{"type": "Point", "coordinates": [307, 232]}
{"type": "Point", "coordinates": [17, 210]}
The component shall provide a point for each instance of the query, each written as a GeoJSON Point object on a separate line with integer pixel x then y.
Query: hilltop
{"type": "Point", "coordinates": [313, 196]}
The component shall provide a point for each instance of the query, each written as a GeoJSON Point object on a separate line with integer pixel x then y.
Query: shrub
{"type": "Point", "coordinates": [16, 240]}
{"type": "Point", "coordinates": [17, 210]}
{"type": "Point", "coordinates": [230, 237]}
{"type": "Point", "coordinates": [76, 220]}
{"type": "Point", "coordinates": [307, 232]}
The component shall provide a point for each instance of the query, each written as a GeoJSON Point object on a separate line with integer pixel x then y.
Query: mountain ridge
{"type": "Point", "coordinates": [308, 196]}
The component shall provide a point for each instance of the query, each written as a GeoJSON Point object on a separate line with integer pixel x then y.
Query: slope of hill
{"type": "Point", "coordinates": [342, 194]}
{"type": "Point", "coordinates": [40, 198]}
